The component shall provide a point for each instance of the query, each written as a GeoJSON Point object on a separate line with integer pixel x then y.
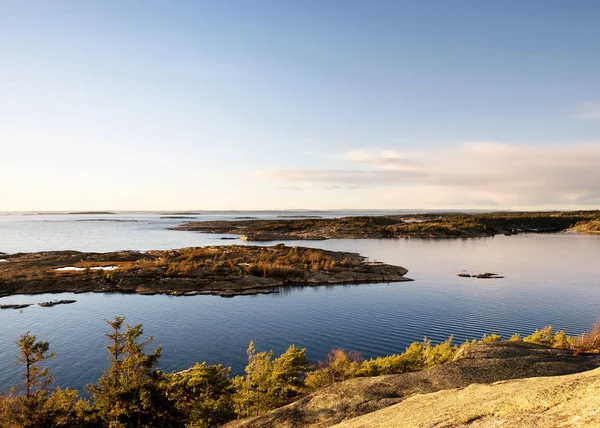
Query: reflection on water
{"type": "Point", "coordinates": [549, 279]}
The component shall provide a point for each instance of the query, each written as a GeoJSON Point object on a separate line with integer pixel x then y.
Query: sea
{"type": "Point", "coordinates": [549, 279]}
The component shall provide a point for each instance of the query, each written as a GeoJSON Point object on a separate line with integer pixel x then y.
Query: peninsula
{"type": "Point", "coordinates": [437, 225]}
{"type": "Point", "coordinates": [223, 270]}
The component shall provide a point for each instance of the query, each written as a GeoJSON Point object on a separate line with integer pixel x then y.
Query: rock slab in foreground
{"type": "Point", "coordinates": [560, 401]}
{"type": "Point", "coordinates": [226, 270]}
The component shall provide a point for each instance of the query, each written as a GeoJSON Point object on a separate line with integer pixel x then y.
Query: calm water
{"type": "Point", "coordinates": [549, 279]}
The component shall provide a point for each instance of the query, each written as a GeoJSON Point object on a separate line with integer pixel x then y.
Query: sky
{"type": "Point", "coordinates": [299, 104]}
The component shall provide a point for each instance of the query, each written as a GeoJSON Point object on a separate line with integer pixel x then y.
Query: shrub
{"type": "Point", "coordinates": [412, 359]}
{"type": "Point", "coordinates": [202, 394]}
{"type": "Point", "coordinates": [515, 338]}
{"type": "Point", "coordinates": [317, 379]}
{"type": "Point", "coordinates": [589, 341]}
{"type": "Point", "coordinates": [339, 366]}
{"type": "Point", "coordinates": [440, 353]}
{"type": "Point", "coordinates": [491, 338]}
{"type": "Point", "coordinates": [543, 337]}
{"type": "Point", "coordinates": [562, 341]}
{"type": "Point", "coordinates": [269, 383]}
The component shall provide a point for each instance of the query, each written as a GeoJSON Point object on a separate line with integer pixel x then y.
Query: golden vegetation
{"type": "Point", "coordinates": [588, 341]}
{"type": "Point", "coordinates": [133, 393]}
{"type": "Point", "coordinates": [591, 226]}
{"type": "Point", "coordinates": [267, 262]}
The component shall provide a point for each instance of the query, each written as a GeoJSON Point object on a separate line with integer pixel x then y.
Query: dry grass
{"type": "Point", "coordinates": [591, 226]}
{"type": "Point", "coordinates": [151, 264]}
{"type": "Point", "coordinates": [274, 270]}
{"type": "Point", "coordinates": [268, 262]}
{"type": "Point", "coordinates": [589, 341]}
{"type": "Point", "coordinates": [190, 254]}
{"type": "Point", "coordinates": [181, 268]}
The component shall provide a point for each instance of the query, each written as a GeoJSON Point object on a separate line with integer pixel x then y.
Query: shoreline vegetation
{"type": "Point", "coordinates": [223, 270]}
{"type": "Point", "coordinates": [286, 390]}
{"type": "Point", "coordinates": [435, 225]}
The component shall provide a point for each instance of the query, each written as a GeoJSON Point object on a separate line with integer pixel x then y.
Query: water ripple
{"type": "Point", "coordinates": [550, 279]}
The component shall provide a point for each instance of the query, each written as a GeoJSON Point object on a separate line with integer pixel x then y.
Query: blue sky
{"type": "Point", "coordinates": [299, 104]}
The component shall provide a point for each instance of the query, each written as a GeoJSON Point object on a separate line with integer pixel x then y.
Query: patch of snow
{"type": "Point", "coordinates": [3, 260]}
{"type": "Point", "coordinates": [73, 268]}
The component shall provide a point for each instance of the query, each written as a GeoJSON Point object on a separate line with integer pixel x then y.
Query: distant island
{"type": "Point", "coordinates": [92, 213]}
{"type": "Point", "coordinates": [110, 220]}
{"type": "Point", "coordinates": [182, 213]}
{"type": "Point", "coordinates": [226, 271]}
{"type": "Point", "coordinates": [299, 216]}
{"type": "Point", "coordinates": [436, 225]}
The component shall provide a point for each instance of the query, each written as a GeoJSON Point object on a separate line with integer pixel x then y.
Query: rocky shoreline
{"type": "Point", "coordinates": [227, 271]}
{"type": "Point", "coordinates": [450, 225]}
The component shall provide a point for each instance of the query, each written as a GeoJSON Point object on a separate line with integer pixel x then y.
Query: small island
{"type": "Point", "coordinates": [223, 270]}
{"type": "Point", "coordinates": [182, 213]}
{"type": "Point", "coordinates": [486, 275]}
{"type": "Point", "coordinates": [109, 220]}
{"type": "Point", "coordinates": [15, 306]}
{"type": "Point", "coordinates": [436, 225]}
{"type": "Point", "coordinates": [55, 302]}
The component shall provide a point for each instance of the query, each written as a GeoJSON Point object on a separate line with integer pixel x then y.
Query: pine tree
{"type": "Point", "coordinates": [36, 381]}
{"type": "Point", "coordinates": [287, 376]}
{"type": "Point", "coordinates": [129, 393]}
{"type": "Point", "coordinates": [32, 403]}
{"type": "Point", "coordinates": [269, 383]}
{"type": "Point", "coordinates": [203, 394]}
{"type": "Point", "coordinates": [251, 396]}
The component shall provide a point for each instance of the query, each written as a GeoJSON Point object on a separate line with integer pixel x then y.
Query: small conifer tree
{"type": "Point", "coordinates": [129, 393]}
{"type": "Point", "coordinates": [36, 380]}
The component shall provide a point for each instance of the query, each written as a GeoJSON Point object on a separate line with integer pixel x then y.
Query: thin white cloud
{"type": "Point", "coordinates": [352, 177]}
{"type": "Point", "coordinates": [588, 111]}
{"type": "Point", "coordinates": [476, 174]}
{"type": "Point", "coordinates": [384, 159]}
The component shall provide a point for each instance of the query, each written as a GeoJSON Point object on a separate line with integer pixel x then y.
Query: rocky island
{"type": "Point", "coordinates": [437, 225]}
{"type": "Point", "coordinates": [226, 271]}
{"type": "Point", "coordinates": [486, 275]}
